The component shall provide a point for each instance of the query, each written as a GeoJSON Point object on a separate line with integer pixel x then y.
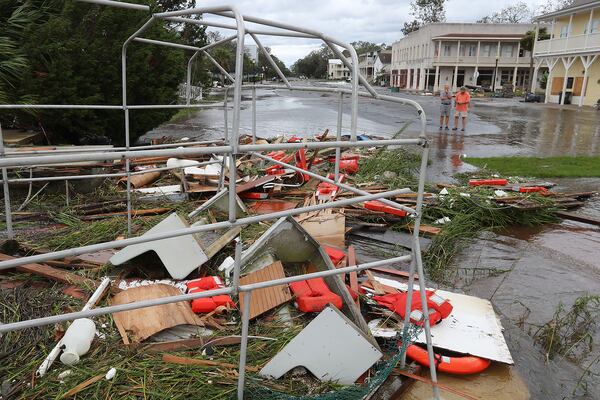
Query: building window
{"type": "Point", "coordinates": [447, 50]}
{"type": "Point", "coordinates": [564, 31]}
{"type": "Point", "coordinates": [486, 50]}
{"type": "Point", "coordinates": [594, 26]}
{"type": "Point", "coordinates": [508, 50]}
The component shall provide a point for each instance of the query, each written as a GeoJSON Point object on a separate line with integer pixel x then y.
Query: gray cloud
{"type": "Point", "coordinates": [350, 20]}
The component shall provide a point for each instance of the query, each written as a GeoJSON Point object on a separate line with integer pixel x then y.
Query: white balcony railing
{"type": "Point", "coordinates": [488, 61]}
{"type": "Point", "coordinates": [571, 44]}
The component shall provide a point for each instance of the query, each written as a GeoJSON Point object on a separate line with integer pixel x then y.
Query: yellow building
{"type": "Point", "coordinates": [572, 53]}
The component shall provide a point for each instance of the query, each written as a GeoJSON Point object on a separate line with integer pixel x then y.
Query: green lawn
{"type": "Point", "coordinates": [548, 167]}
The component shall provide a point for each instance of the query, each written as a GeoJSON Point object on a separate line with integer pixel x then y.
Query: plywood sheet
{"type": "Point", "coordinates": [328, 229]}
{"type": "Point", "coordinates": [472, 328]}
{"type": "Point", "coordinates": [265, 299]}
{"type": "Point", "coordinates": [140, 324]}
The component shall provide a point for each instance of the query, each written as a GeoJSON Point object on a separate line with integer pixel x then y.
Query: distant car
{"type": "Point", "coordinates": [533, 98]}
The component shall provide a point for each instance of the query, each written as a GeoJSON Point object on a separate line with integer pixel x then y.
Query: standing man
{"type": "Point", "coordinates": [445, 106]}
{"type": "Point", "coordinates": [463, 100]}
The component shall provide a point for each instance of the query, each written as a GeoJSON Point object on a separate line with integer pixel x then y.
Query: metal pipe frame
{"type": "Point", "coordinates": [92, 176]}
{"type": "Point", "coordinates": [231, 150]}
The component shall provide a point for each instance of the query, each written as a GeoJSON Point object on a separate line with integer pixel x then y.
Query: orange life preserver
{"type": "Point", "coordinates": [488, 182]}
{"type": "Point", "coordinates": [208, 304]}
{"type": "Point", "coordinates": [465, 365]}
{"type": "Point", "coordinates": [313, 295]}
{"type": "Point", "coordinates": [438, 307]}
{"type": "Point", "coordinates": [375, 205]}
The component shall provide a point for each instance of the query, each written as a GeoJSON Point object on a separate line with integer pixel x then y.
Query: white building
{"type": "Point", "coordinates": [366, 64]}
{"type": "Point", "coordinates": [337, 70]}
{"type": "Point", "coordinates": [458, 54]}
{"type": "Point", "coordinates": [381, 67]}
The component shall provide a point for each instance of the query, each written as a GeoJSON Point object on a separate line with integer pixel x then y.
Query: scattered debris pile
{"type": "Point", "coordinates": [335, 337]}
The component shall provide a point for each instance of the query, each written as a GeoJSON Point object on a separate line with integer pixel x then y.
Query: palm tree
{"type": "Point", "coordinates": [16, 17]}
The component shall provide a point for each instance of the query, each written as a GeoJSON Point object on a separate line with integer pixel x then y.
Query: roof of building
{"type": "Point", "coordinates": [335, 61]}
{"type": "Point", "coordinates": [385, 56]}
{"type": "Point", "coordinates": [515, 36]}
{"type": "Point", "coordinates": [578, 5]}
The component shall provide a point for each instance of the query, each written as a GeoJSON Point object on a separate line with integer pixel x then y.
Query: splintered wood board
{"type": "Point", "coordinates": [265, 299]}
{"type": "Point", "coordinates": [138, 325]}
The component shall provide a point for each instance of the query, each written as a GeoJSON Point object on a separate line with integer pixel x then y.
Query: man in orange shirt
{"type": "Point", "coordinates": [462, 100]}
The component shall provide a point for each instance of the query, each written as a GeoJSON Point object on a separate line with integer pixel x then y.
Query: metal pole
{"type": "Point", "coordinates": [126, 112]}
{"type": "Point", "coordinates": [253, 115]}
{"type": "Point", "coordinates": [237, 99]}
{"type": "Point", "coordinates": [7, 211]}
{"type": "Point", "coordinates": [244, 346]}
{"type": "Point", "coordinates": [67, 192]}
{"type": "Point", "coordinates": [338, 151]}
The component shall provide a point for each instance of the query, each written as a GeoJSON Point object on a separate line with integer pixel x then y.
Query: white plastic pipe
{"type": "Point", "coordinates": [45, 366]}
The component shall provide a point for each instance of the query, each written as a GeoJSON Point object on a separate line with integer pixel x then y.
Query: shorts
{"type": "Point", "coordinates": [445, 110]}
{"type": "Point", "coordinates": [462, 114]}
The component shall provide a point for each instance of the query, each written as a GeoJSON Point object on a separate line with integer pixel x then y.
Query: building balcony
{"type": "Point", "coordinates": [570, 45]}
{"type": "Point", "coordinates": [480, 61]}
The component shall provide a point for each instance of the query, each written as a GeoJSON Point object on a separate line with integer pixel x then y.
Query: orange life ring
{"type": "Point", "coordinates": [466, 365]}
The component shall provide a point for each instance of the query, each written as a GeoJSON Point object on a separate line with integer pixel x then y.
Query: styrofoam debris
{"type": "Point", "coordinates": [64, 374]}
{"type": "Point", "coordinates": [444, 192]}
{"type": "Point", "coordinates": [465, 194]}
{"type": "Point", "coordinates": [500, 193]}
{"type": "Point", "coordinates": [442, 221]}
{"type": "Point", "coordinates": [110, 374]}
{"type": "Point", "coordinates": [124, 285]}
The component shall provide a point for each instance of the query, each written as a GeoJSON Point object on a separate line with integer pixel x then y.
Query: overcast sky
{"type": "Point", "coordinates": [350, 20]}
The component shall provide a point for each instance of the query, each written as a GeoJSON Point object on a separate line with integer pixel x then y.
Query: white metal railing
{"type": "Point", "coordinates": [567, 45]}
{"type": "Point", "coordinates": [231, 149]}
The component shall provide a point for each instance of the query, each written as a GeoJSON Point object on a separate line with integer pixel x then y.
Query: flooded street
{"type": "Point", "coordinates": [526, 273]}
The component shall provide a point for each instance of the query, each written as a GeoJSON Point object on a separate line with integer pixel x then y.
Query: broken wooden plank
{"type": "Point", "coordinates": [378, 287]}
{"type": "Point", "coordinates": [394, 272]}
{"type": "Point", "coordinates": [270, 206]}
{"type": "Point", "coordinates": [218, 244]}
{"type": "Point", "coordinates": [142, 323]}
{"type": "Point", "coordinates": [255, 183]}
{"type": "Point", "coordinates": [586, 219]}
{"type": "Point", "coordinates": [54, 274]}
{"type": "Point", "coordinates": [265, 299]}
{"type": "Point", "coordinates": [172, 359]}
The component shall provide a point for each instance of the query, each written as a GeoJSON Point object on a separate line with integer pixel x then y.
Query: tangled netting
{"type": "Point", "coordinates": [379, 373]}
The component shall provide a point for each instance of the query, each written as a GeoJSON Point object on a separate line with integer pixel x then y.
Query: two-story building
{"type": "Point", "coordinates": [336, 69]}
{"type": "Point", "coordinates": [571, 55]}
{"type": "Point", "coordinates": [366, 65]}
{"type": "Point", "coordinates": [457, 54]}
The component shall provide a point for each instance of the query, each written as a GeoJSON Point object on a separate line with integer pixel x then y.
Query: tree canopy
{"type": "Point", "coordinates": [425, 12]}
{"type": "Point", "coordinates": [521, 12]}
{"type": "Point", "coordinates": [314, 65]}
{"type": "Point", "coordinates": [65, 52]}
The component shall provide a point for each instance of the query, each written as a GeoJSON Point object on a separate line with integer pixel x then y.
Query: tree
{"type": "Point", "coordinates": [315, 64]}
{"type": "Point", "coordinates": [75, 58]}
{"type": "Point", "coordinates": [425, 12]}
{"type": "Point", "coordinates": [528, 43]}
{"type": "Point", "coordinates": [15, 19]}
{"type": "Point", "coordinates": [367, 47]}
{"type": "Point", "coordinates": [514, 14]}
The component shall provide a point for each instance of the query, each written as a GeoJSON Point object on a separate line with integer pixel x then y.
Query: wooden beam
{"type": "Point", "coordinates": [578, 217]}
{"type": "Point", "coordinates": [54, 274]}
{"type": "Point", "coordinates": [172, 359]}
